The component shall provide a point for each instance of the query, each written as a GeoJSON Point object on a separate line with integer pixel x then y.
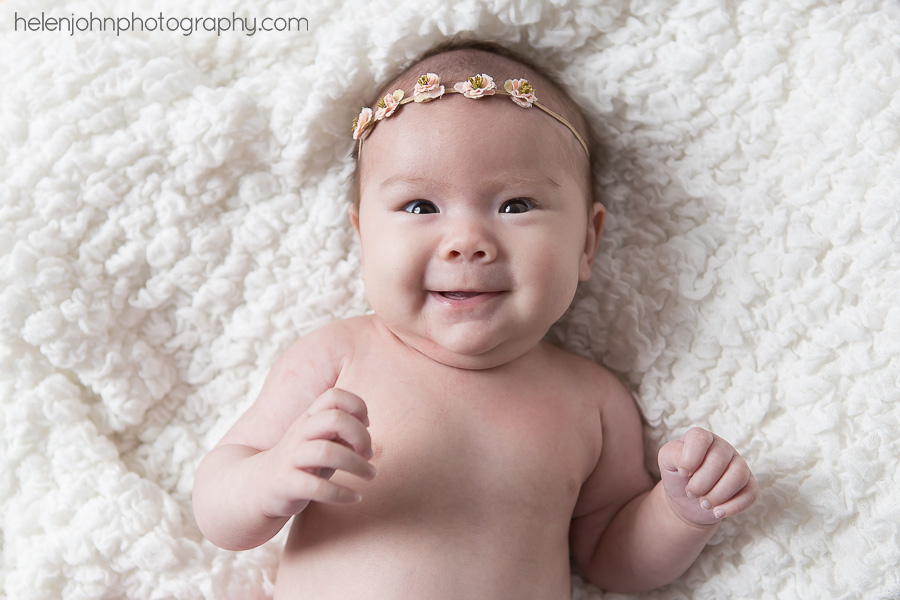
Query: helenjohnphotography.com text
{"type": "Point", "coordinates": [184, 25]}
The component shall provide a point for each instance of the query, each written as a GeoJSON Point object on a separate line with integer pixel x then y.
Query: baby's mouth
{"type": "Point", "coordinates": [459, 295]}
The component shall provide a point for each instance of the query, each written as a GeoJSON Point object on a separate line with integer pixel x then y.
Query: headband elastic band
{"type": "Point", "coordinates": [428, 87]}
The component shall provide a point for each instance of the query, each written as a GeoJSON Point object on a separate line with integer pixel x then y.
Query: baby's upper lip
{"type": "Point", "coordinates": [468, 283]}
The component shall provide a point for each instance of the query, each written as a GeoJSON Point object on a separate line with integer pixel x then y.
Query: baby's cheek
{"type": "Point", "coordinates": [561, 269]}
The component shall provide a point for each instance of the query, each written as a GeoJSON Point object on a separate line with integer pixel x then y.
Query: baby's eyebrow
{"type": "Point", "coordinates": [525, 181]}
{"type": "Point", "coordinates": [494, 184]}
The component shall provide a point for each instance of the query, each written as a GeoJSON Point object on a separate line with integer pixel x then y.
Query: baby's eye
{"type": "Point", "coordinates": [516, 205]}
{"type": "Point", "coordinates": [421, 207]}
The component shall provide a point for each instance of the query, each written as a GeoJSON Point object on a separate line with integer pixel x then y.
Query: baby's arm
{"type": "Point", "coordinates": [280, 454]}
{"type": "Point", "coordinates": [628, 535]}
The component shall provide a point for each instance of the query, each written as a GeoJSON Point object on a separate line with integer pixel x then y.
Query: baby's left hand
{"type": "Point", "coordinates": [705, 478]}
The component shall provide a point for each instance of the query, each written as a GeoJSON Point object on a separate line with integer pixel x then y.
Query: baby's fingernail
{"type": "Point", "coordinates": [691, 495]}
{"type": "Point", "coordinates": [720, 513]}
{"type": "Point", "coordinates": [683, 472]}
{"type": "Point", "coordinates": [705, 504]}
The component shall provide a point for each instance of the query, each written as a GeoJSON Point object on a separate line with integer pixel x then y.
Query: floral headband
{"type": "Point", "coordinates": [428, 87]}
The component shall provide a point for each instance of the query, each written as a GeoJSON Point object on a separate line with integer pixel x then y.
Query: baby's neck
{"type": "Point", "coordinates": [504, 356]}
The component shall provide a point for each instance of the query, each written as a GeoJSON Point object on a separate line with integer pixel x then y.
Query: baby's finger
{"type": "Point", "coordinates": [696, 442]}
{"type": "Point", "coordinates": [339, 399]}
{"type": "Point", "coordinates": [733, 480]}
{"type": "Point", "coordinates": [325, 491]}
{"type": "Point", "coordinates": [740, 502]}
{"type": "Point", "coordinates": [339, 426]}
{"type": "Point", "coordinates": [322, 454]}
{"type": "Point", "coordinates": [715, 463]}
{"type": "Point", "coordinates": [669, 455]}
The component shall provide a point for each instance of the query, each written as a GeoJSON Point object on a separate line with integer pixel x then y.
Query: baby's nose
{"type": "Point", "coordinates": [468, 241]}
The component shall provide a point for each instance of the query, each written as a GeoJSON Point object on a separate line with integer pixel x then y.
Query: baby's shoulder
{"type": "Point", "coordinates": [343, 333]}
{"type": "Point", "coordinates": [589, 378]}
{"type": "Point", "coordinates": [572, 365]}
{"type": "Point", "coordinates": [329, 347]}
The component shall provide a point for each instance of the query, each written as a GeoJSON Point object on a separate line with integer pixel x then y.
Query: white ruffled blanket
{"type": "Point", "coordinates": [173, 214]}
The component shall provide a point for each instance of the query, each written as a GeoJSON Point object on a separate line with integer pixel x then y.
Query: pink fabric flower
{"type": "Point", "coordinates": [520, 91]}
{"type": "Point", "coordinates": [387, 105]}
{"type": "Point", "coordinates": [362, 124]}
{"type": "Point", "coordinates": [428, 87]}
{"type": "Point", "coordinates": [477, 86]}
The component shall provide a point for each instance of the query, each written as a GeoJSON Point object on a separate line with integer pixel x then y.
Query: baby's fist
{"type": "Point", "coordinates": [332, 435]}
{"type": "Point", "coordinates": [705, 478]}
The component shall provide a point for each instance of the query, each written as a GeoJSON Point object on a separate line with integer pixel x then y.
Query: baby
{"type": "Point", "coordinates": [439, 448]}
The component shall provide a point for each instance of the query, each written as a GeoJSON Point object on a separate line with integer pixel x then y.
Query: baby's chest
{"type": "Point", "coordinates": [452, 450]}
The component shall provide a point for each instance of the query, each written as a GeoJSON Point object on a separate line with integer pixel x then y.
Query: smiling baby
{"type": "Point", "coordinates": [439, 448]}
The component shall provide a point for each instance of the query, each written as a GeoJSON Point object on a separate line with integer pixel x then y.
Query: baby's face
{"type": "Point", "coordinates": [473, 227]}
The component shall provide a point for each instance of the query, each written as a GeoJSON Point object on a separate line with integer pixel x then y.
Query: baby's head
{"type": "Point", "coordinates": [475, 216]}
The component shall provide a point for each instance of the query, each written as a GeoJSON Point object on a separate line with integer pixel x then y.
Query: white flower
{"type": "Point", "coordinates": [428, 87]}
{"type": "Point", "coordinates": [520, 91]}
{"type": "Point", "coordinates": [387, 105]}
{"type": "Point", "coordinates": [362, 123]}
{"type": "Point", "coordinates": [477, 86]}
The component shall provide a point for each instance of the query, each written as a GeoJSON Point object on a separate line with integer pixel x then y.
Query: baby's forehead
{"type": "Point", "coordinates": [459, 65]}
{"type": "Point", "coordinates": [454, 142]}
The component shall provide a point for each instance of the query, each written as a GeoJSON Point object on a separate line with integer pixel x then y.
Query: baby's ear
{"type": "Point", "coordinates": [592, 241]}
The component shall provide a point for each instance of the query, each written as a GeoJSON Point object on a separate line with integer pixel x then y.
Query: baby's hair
{"type": "Point", "coordinates": [459, 57]}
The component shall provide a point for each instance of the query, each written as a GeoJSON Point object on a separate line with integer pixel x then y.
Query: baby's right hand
{"type": "Point", "coordinates": [331, 435]}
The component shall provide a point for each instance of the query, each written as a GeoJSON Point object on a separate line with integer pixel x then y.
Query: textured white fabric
{"type": "Point", "coordinates": [173, 214]}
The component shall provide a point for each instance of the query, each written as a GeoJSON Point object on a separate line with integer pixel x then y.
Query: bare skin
{"type": "Point", "coordinates": [480, 491]}
{"type": "Point", "coordinates": [460, 456]}
{"type": "Point", "coordinates": [438, 448]}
